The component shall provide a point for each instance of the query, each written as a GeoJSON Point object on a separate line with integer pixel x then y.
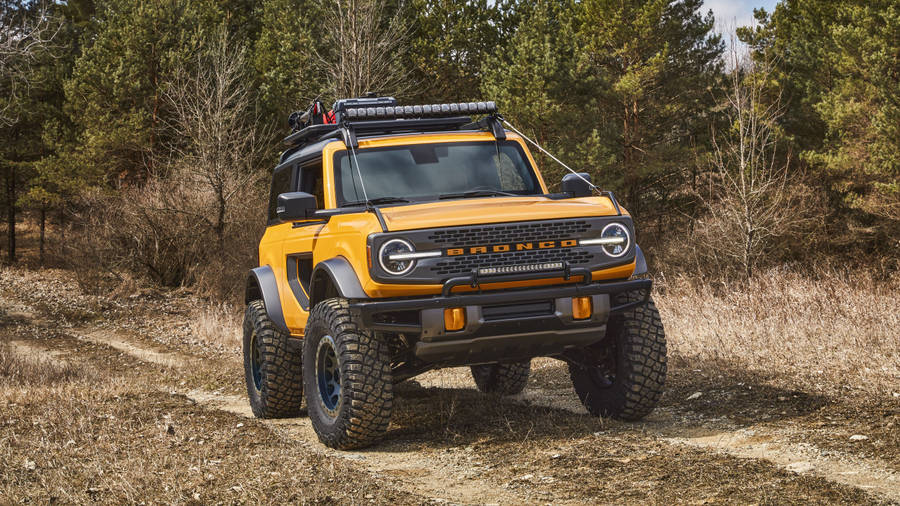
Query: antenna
{"type": "Point", "coordinates": [555, 159]}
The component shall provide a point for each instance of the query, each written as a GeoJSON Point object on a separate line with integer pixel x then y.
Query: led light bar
{"type": "Point", "coordinates": [400, 257]}
{"type": "Point", "coordinates": [515, 269]}
{"type": "Point", "coordinates": [605, 241]}
{"type": "Point", "coordinates": [418, 111]}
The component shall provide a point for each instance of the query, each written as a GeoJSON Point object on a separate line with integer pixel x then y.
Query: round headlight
{"type": "Point", "coordinates": [392, 247]}
{"type": "Point", "coordinates": [616, 231]}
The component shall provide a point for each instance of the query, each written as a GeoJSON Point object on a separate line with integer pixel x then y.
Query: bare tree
{"type": "Point", "coordinates": [218, 145]}
{"type": "Point", "coordinates": [750, 201]}
{"type": "Point", "coordinates": [364, 48]}
{"type": "Point", "coordinates": [24, 36]}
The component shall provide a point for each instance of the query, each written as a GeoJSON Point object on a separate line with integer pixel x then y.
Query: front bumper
{"type": "Point", "coordinates": [505, 325]}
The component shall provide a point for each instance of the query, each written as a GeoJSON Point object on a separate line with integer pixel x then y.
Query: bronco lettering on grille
{"type": "Point", "coordinates": [515, 246]}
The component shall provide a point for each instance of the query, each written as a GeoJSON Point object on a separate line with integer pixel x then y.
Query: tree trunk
{"type": "Point", "coordinates": [11, 214]}
{"type": "Point", "coordinates": [41, 240]}
{"type": "Point", "coordinates": [220, 219]}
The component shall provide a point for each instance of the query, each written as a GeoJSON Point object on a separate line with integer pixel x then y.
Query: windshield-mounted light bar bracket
{"type": "Point", "coordinates": [493, 122]}
{"type": "Point", "coordinates": [349, 137]}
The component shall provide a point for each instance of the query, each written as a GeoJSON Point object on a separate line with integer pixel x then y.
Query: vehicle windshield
{"type": "Point", "coordinates": [420, 172]}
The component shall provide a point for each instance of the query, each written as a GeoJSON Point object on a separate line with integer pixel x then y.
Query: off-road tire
{"type": "Point", "coordinates": [640, 364]}
{"type": "Point", "coordinates": [363, 411]}
{"type": "Point", "coordinates": [279, 389]}
{"type": "Point", "coordinates": [501, 379]}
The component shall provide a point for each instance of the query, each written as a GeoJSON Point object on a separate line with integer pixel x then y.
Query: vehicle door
{"type": "Point", "coordinates": [298, 248]}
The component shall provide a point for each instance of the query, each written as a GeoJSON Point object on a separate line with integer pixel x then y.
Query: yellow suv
{"type": "Point", "coordinates": [403, 239]}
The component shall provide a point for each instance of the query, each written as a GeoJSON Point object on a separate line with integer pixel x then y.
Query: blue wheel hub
{"type": "Point", "coordinates": [328, 375]}
{"type": "Point", "coordinates": [255, 361]}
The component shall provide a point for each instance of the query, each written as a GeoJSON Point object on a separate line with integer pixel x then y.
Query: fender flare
{"type": "Point", "coordinates": [341, 275]}
{"type": "Point", "coordinates": [640, 263]}
{"type": "Point", "coordinates": [261, 284]}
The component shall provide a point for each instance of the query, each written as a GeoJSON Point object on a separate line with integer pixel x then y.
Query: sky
{"type": "Point", "coordinates": [736, 12]}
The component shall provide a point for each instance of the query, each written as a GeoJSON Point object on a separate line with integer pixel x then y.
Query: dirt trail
{"type": "Point", "coordinates": [29, 350]}
{"type": "Point", "coordinates": [755, 442]}
{"type": "Point", "coordinates": [124, 344]}
{"type": "Point", "coordinates": [415, 473]}
{"type": "Point", "coordinates": [445, 482]}
{"type": "Point", "coordinates": [441, 477]}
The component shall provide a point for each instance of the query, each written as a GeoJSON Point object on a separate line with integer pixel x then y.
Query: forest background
{"type": "Point", "coordinates": [139, 136]}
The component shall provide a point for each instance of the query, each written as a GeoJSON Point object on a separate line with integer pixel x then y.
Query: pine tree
{"type": "Point", "coordinates": [838, 66]}
{"type": "Point", "coordinates": [285, 57]}
{"type": "Point", "coordinates": [449, 43]}
{"type": "Point", "coordinates": [652, 64]}
{"type": "Point", "coordinates": [532, 79]}
{"type": "Point", "coordinates": [115, 92]}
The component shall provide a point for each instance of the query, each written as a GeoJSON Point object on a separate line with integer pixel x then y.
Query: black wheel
{"type": "Point", "coordinates": [272, 366]}
{"type": "Point", "coordinates": [347, 375]}
{"type": "Point", "coordinates": [623, 375]}
{"type": "Point", "coordinates": [503, 379]}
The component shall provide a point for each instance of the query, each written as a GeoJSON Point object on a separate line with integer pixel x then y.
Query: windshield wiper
{"type": "Point", "coordinates": [379, 200]}
{"type": "Point", "coordinates": [476, 193]}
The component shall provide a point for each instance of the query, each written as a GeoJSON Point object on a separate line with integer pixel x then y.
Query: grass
{"type": "Point", "coordinates": [102, 426]}
{"type": "Point", "coordinates": [17, 370]}
{"type": "Point", "coordinates": [830, 333]}
{"type": "Point", "coordinates": [217, 324]}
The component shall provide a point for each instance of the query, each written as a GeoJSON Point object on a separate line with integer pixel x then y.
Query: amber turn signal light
{"type": "Point", "coordinates": [581, 308]}
{"type": "Point", "coordinates": [454, 318]}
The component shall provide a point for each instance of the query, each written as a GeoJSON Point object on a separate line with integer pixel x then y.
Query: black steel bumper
{"type": "Point", "coordinates": [504, 325]}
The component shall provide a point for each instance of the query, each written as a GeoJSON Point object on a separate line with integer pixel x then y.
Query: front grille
{"type": "Point", "coordinates": [466, 264]}
{"type": "Point", "coordinates": [513, 232]}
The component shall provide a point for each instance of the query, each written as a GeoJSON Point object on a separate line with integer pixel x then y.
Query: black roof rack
{"type": "Point", "coordinates": [382, 115]}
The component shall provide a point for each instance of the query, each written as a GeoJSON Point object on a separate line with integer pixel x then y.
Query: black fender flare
{"type": "Point", "coordinates": [338, 273]}
{"type": "Point", "coordinates": [640, 263]}
{"type": "Point", "coordinates": [261, 284]}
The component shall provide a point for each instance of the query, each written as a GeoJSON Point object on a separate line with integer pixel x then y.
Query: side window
{"type": "Point", "coordinates": [281, 183]}
{"type": "Point", "coordinates": [311, 181]}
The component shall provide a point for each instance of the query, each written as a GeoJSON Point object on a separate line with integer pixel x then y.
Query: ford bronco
{"type": "Point", "coordinates": [402, 239]}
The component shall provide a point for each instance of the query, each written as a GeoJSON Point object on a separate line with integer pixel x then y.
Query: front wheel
{"type": "Point", "coordinates": [347, 376]}
{"type": "Point", "coordinates": [623, 375]}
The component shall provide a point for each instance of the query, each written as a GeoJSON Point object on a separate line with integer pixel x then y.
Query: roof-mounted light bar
{"type": "Point", "coordinates": [417, 111]}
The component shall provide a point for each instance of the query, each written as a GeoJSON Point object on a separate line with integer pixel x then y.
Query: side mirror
{"type": "Point", "coordinates": [295, 206]}
{"type": "Point", "coordinates": [576, 186]}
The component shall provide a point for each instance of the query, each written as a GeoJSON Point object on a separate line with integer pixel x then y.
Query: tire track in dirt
{"type": "Point", "coordinates": [27, 349]}
{"type": "Point", "coordinates": [408, 471]}
{"type": "Point", "coordinates": [441, 480]}
{"type": "Point", "coordinates": [117, 342]}
{"type": "Point", "coordinates": [446, 482]}
{"type": "Point", "coordinates": [757, 442]}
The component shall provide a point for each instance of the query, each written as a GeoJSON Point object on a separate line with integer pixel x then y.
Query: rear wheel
{"type": "Point", "coordinates": [347, 376]}
{"type": "Point", "coordinates": [272, 366]}
{"type": "Point", "coordinates": [503, 379]}
{"type": "Point", "coordinates": [623, 375]}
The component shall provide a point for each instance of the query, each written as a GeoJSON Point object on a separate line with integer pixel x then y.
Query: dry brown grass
{"type": "Point", "coordinates": [218, 324]}
{"type": "Point", "coordinates": [830, 333]}
{"type": "Point", "coordinates": [116, 441]}
{"type": "Point", "coordinates": [17, 370]}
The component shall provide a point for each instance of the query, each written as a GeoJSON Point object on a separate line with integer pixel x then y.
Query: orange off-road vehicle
{"type": "Point", "coordinates": [403, 239]}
